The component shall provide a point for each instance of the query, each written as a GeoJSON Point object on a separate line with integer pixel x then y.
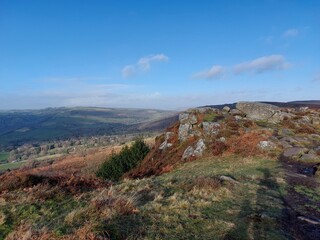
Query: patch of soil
{"type": "Point", "coordinates": [302, 213]}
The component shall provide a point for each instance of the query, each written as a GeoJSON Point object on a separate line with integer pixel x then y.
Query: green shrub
{"type": "Point", "coordinates": [120, 163]}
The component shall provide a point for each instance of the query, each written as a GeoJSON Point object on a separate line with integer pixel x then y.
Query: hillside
{"type": "Point", "coordinates": [29, 126]}
{"type": "Point", "coordinates": [250, 172]}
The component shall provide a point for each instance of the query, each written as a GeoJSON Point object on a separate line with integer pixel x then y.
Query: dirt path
{"type": "Point", "coordinates": [302, 201]}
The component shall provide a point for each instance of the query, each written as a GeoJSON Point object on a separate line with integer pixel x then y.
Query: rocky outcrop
{"type": "Point", "coordinates": [211, 128]}
{"type": "Point", "coordinates": [166, 144]}
{"type": "Point", "coordinates": [294, 152]}
{"type": "Point", "coordinates": [195, 151]}
{"type": "Point", "coordinates": [260, 111]}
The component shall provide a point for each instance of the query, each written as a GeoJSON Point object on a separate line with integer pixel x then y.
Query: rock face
{"type": "Point", "coordinates": [187, 118]}
{"type": "Point", "coordinates": [188, 152]}
{"type": "Point", "coordinates": [259, 111]}
{"type": "Point", "coordinates": [196, 151]}
{"type": "Point", "coordinates": [166, 144]}
{"type": "Point", "coordinates": [211, 128]}
{"type": "Point", "coordinates": [184, 131]}
{"type": "Point", "coordinates": [200, 147]}
{"type": "Point", "coordinates": [294, 152]}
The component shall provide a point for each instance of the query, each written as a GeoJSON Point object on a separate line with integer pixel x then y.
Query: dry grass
{"type": "Point", "coordinates": [246, 144]}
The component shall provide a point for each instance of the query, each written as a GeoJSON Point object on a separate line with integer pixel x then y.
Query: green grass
{"type": "Point", "coordinates": [210, 117]}
{"type": "Point", "coordinates": [170, 206]}
{"type": "Point", "coordinates": [180, 211]}
{"type": "Point", "coordinates": [11, 165]}
{"type": "Point", "coordinates": [4, 157]}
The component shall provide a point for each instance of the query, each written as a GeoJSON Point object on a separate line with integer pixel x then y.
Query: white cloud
{"type": "Point", "coordinates": [291, 33]}
{"type": "Point", "coordinates": [215, 71]}
{"type": "Point", "coordinates": [262, 64]}
{"type": "Point", "coordinates": [128, 71]}
{"type": "Point", "coordinates": [143, 64]}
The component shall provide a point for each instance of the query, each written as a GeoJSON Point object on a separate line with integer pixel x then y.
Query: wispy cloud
{"type": "Point", "coordinates": [143, 64]}
{"type": "Point", "coordinates": [214, 72]}
{"type": "Point", "coordinates": [262, 64]}
{"type": "Point", "coordinates": [291, 33]}
{"type": "Point", "coordinates": [317, 77]}
{"type": "Point", "coordinates": [128, 71]}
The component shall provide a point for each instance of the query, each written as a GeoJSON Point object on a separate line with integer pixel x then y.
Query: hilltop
{"type": "Point", "coordinates": [249, 171]}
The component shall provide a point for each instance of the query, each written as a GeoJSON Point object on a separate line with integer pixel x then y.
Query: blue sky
{"type": "Point", "coordinates": [157, 53]}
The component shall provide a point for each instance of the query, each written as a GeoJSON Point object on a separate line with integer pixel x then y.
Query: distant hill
{"type": "Point", "coordinates": [294, 104]}
{"type": "Point", "coordinates": [24, 126]}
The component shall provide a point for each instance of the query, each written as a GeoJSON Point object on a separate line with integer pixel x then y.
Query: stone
{"type": "Point", "coordinates": [211, 128]}
{"type": "Point", "coordinates": [266, 145]}
{"type": "Point", "coordinates": [309, 156]}
{"type": "Point", "coordinates": [228, 179]}
{"type": "Point", "coordinates": [258, 111]}
{"type": "Point", "coordinates": [205, 110]}
{"type": "Point", "coordinates": [315, 121]}
{"type": "Point", "coordinates": [285, 144]}
{"type": "Point", "coordinates": [188, 152]}
{"type": "Point", "coordinates": [238, 118]}
{"type": "Point", "coordinates": [235, 112]}
{"type": "Point", "coordinates": [184, 131]}
{"type": "Point", "coordinates": [187, 118]}
{"type": "Point", "coordinates": [294, 152]}
{"type": "Point", "coordinates": [226, 109]}
{"type": "Point", "coordinates": [200, 147]}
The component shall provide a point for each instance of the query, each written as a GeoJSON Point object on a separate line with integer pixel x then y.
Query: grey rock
{"type": "Point", "coordinates": [238, 118]}
{"type": "Point", "coordinates": [286, 132]}
{"type": "Point", "coordinates": [188, 152]}
{"type": "Point", "coordinates": [228, 179]}
{"type": "Point", "coordinates": [187, 118]}
{"type": "Point", "coordinates": [309, 156]}
{"type": "Point", "coordinates": [235, 112]}
{"type": "Point", "coordinates": [258, 111]}
{"type": "Point", "coordinates": [266, 145]}
{"type": "Point", "coordinates": [184, 131]}
{"type": "Point", "coordinates": [285, 144]}
{"type": "Point", "coordinates": [211, 128]}
{"type": "Point", "coordinates": [226, 109]}
{"type": "Point", "coordinates": [315, 121]}
{"type": "Point", "coordinates": [303, 109]}
{"type": "Point", "coordinates": [168, 135]}
{"type": "Point", "coordinates": [205, 110]}
{"type": "Point", "coordinates": [166, 144]}
{"type": "Point", "coordinates": [294, 152]}
{"type": "Point", "coordinates": [200, 147]}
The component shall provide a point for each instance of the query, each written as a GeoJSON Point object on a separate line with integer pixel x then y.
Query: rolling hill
{"type": "Point", "coordinates": [26, 126]}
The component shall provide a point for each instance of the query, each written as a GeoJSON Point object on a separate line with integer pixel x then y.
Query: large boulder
{"type": "Point", "coordinates": [294, 152]}
{"type": "Point", "coordinates": [187, 118]}
{"type": "Point", "coordinates": [184, 131]}
{"type": "Point", "coordinates": [200, 147]}
{"type": "Point", "coordinates": [195, 151]}
{"type": "Point", "coordinates": [259, 111]}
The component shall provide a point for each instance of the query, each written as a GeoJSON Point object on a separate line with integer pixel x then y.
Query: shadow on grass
{"type": "Point", "coordinates": [259, 218]}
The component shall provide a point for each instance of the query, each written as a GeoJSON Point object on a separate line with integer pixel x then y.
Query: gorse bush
{"type": "Point", "coordinates": [120, 163]}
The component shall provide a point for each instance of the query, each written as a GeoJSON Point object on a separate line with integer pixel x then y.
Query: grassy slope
{"type": "Point", "coordinates": [4, 157]}
{"type": "Point", "coordinates": [187, 203]}
{"type": "Point", "coordinates": [18, 127]}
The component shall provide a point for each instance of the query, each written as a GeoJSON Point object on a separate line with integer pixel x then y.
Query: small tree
{"type": "Point", "coordinates": [128, 158]}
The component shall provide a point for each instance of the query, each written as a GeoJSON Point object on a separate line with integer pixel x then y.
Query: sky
{"type": "Point", "coordinates": [162, 54]}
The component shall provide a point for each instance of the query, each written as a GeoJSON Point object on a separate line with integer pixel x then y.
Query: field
{"type": "Point", "coordinates": [28, 126]}
{"type": "Point", "coordinates": [3, 157]}
{"type": "Point", "coordinates": [176, 205]}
